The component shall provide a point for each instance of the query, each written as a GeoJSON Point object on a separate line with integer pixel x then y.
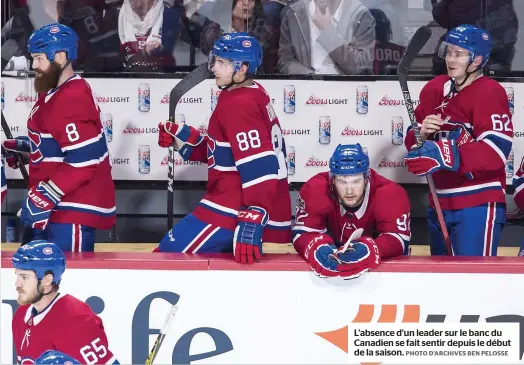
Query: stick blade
{"type": "Point", "coordinates": [189, 81]}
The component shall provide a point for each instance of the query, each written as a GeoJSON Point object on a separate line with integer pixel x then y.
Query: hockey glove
{"type": "Point", "coordinates": [357, 258]}
{"type": "Point", "coordinates": [40, 202]}
{"type": "Point", "coordinates": [10, 148]}
{"type": "Point", "coordinates": [433, 157]}
{"type": "Point", "coordinates": [247, 241]}
{"type": "Point", "coordinates": [185, 137]}
{"type": "Point", "coordinates": [319, 253]}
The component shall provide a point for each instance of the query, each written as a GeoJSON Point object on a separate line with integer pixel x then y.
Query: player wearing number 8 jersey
{"type": "Point", "coordinates": [247, 199]}
{"type": "Point", "coordinates": [48, 320]}
{"type": "Point", "coordinates": [465, 120]}
{"type": "Point", "coordinates": [71, 188]}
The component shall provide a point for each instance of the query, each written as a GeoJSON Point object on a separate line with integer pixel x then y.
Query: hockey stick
{"type": "Point", "coordinates": [416, 43]}
{"type": "Point", "coordinates": [162, 335]}
{"type": "Point", "coordinates": [189, 81]}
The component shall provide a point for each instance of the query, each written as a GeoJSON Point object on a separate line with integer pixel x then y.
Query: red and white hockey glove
{"type": "Point", "coordinates": [11, 147]}
{"type": "Point", "coordinates": [319, 254]}
{"type": "Point", "coordinates": [185, 137]}
{"type": "Point", "coordinates": [247, 241]}
{"type": "Point", "coordinates": [358, 257]}
{"type": "Point", "coordinates": [434, 156]}
{"type": "Point", "coordinates": [40, 202]}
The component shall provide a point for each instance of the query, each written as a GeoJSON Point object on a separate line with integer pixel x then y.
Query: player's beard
{"type": "Point", "coordinates": [47, 79]}
{"type": "Point", "coordinates": [27, 298]}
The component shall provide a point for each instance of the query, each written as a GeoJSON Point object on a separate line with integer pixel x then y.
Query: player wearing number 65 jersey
{"type": "Point", "coordinates": [71, 190]}
{"type": "Point", "coordinates": [247, 199]}
{"type": "Point", "coordinates": [465, 120]}
{"type": "Point", "coordinates": [332, 206]}
{"type": "Point", "coordinates": [48, 320]}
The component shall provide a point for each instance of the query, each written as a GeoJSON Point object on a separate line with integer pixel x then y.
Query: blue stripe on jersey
{"type": "Point", "coordinates": [218, 211]}
{"type": "Point", "coordinates": [86, 209]}
{"type": "Point", "coordinates": [518, 181]}
{"type": "Point", "coordinates": [468, 192]}
{"type": "Point", "coordinates": [48, 148]}
{"type": "Point", "coordinates": [278, 228]}
{"type": "Point", "coordinates": [503, 144]}
{"type": "Point", "coordinates": [257, 168]}
{"type": "Point", "coordinates": [90, 152]}
{"type": "Point", "coordinates": [224, 156]}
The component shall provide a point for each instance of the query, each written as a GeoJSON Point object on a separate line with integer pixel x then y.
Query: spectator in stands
{"type": "Point", "coordinates": [496, 16]}
{"type": "Point", "coordinates": [387, 54]}
{"type": "Point", "coordinates": [326, 37]}
{"type": "Point", "coordinates": [148, 31]}
{"type": "Point", "coordinates": [246, 16]}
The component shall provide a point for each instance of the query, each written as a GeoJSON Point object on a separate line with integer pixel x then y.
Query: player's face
{"type": "Point", "coordinates": [26, 283]}
{"type": "Point", "coordinates": [350, 189]}
{"type": "Point", "coordinates": [46, 76]}
{"type": "Point", "coordinates": [457, 60]}
{"type": "Point", "coordinates": [223, 71]}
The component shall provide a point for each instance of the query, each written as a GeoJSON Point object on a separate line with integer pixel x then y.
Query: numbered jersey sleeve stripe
{"type": "Point", "coordinates": [219, 208]}
{"type": "Point", "coordinates": [500, 146]}
{"type": "Point", "coordinates": [90, 162]}
{"type": "Point", "coordinates": [223, 156]}
{"type": "Point", "coordinates": [90, 154]}
{"type": "Point", "coordinates": [255, 157]}
{"type": "Point", "coordinates": [84, 143]}
{"type": "Point", "coordinates": [258, 170]}
{"type": "Point", "coordinates": [86, 208]}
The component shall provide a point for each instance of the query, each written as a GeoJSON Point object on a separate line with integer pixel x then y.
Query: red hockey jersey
{"type": "Point", "coordinates": [518, 184]}
{"type": "Point", "coordinates": [68, 147]}
{"type": "Point", "coordinates": [67, 325]}
{"type": "Point", "coordinates": [384, 215]}
{"type": "Point", "coordinates": [246, 158]}
{"type": "Point", "coordinates": [482, 108]}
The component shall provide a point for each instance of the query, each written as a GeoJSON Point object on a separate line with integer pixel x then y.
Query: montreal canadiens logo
{"type": "Point", "coordinates": [47, 250]}
{"type": "Point", "coordinates": [485, 36]}
{"type": "Point", "coordinates": [246, 43]}
{"type": "Point", "coordinates": [54, 30]}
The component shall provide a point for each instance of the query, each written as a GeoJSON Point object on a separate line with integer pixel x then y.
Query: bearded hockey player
{"type": "Point", "coordinates": [47, 320]}
{"type": "Point", "coordinates": [350, 218]}
{"type": "Point", "coordinates": [71, 188]}
{"type": "Point", "coordinates": [247, 200]}
{"type": "Point", "coordinates": [465, 121]}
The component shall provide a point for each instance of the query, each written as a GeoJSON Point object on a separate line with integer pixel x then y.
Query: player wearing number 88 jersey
{"type": "Point", "coordinates": [48, 320]}
{"type": "Point", "coordinates": [465, 120]}
{"type": "Point", "coordinates": [71, 188]}
{"type": "Point", "coordinates": [247, 199]}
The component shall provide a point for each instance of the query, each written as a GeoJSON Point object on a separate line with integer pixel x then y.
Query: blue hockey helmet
{"type": "Point", "coordinates": [55, 357]}
{"type": "Point", "coordinates": [476, 40]}
{"type": "Point", "coordinates": [53, 38]}
{"type": "Point", "coordinates": [41, 256]}
{"type": "Point", "coordinates": [239, 48]}
{"type": "Point", "coordinates": [349, 159]}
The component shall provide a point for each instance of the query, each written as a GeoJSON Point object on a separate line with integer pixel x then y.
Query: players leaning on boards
{"type": "Point", "coordinates": [47, 320]}
{"type": "Point", "coordinates": [71, 190]}
{"type": "Point", "coordinates": [465, 121]}
{"type": "Point", "coordinates": [247, 200]}
{"type": "Point", "coordinates": [335, 208]}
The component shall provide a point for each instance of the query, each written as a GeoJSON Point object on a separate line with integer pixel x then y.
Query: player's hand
{"type": "Point", "coordinates": [433, 157]}
{"type": "Point", "coordinates": [431, 124]}
{"type": "Point", "coordinates": [11, 147]}
{"type": "Point", "coordinates": [184, 137]}
{"type": "Point", "coordinates": [39, 204]}
{"type": "Point", "coordinates": [247, 241]}
{"type": "Point", "coordinates": [357, 258]}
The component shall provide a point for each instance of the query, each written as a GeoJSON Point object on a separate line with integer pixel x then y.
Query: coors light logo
{"type": "Point", "coordinates": [388, 163]}
{"type": "Point", "coordinates": [24, 98]}
{"type": "Point", "coordinates": [131, 129]}
{"type": "Point", "coordinates": [387, 101]}
{"type": "Point", "coordinates": [315, 162]}
{"type": "Point", "coordinates": [111, 99]}
{"type": "Point", "coordinates": [349, 131]}
{"type": "Point", "coordinates": [180, 162]}
{"type": "Point", "coordinates": [187, 100]}
{"type": "Point", "coordinates": [315, 100]}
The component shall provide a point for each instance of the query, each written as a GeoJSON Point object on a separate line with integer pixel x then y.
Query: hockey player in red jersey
{"type": "Point", "coordinates": [48, 320]}
{"type": "Point", "coordinates": [71, 188]}
{"type": "Point", "coordinates": [334, 208]}
{"type": "Point", "coordinates": [465, 121]}
{"type": "Point", "coordinates": [247, 200]}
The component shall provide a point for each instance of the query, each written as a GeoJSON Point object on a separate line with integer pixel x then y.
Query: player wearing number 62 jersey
{"type": "Point", "coordinates": [247, 199]}
{"type": "Point", "coordinates": [71, 190]}
{"type": "Point", "coordinates": [466, 126]}
{"type": "Point", "coordinates": [48, 320]}
{"type": "Point", "coordinates": [332, 206]}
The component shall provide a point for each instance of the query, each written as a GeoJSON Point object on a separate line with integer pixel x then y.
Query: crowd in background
{"type": "Point", "coordinates": [355, 37]}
